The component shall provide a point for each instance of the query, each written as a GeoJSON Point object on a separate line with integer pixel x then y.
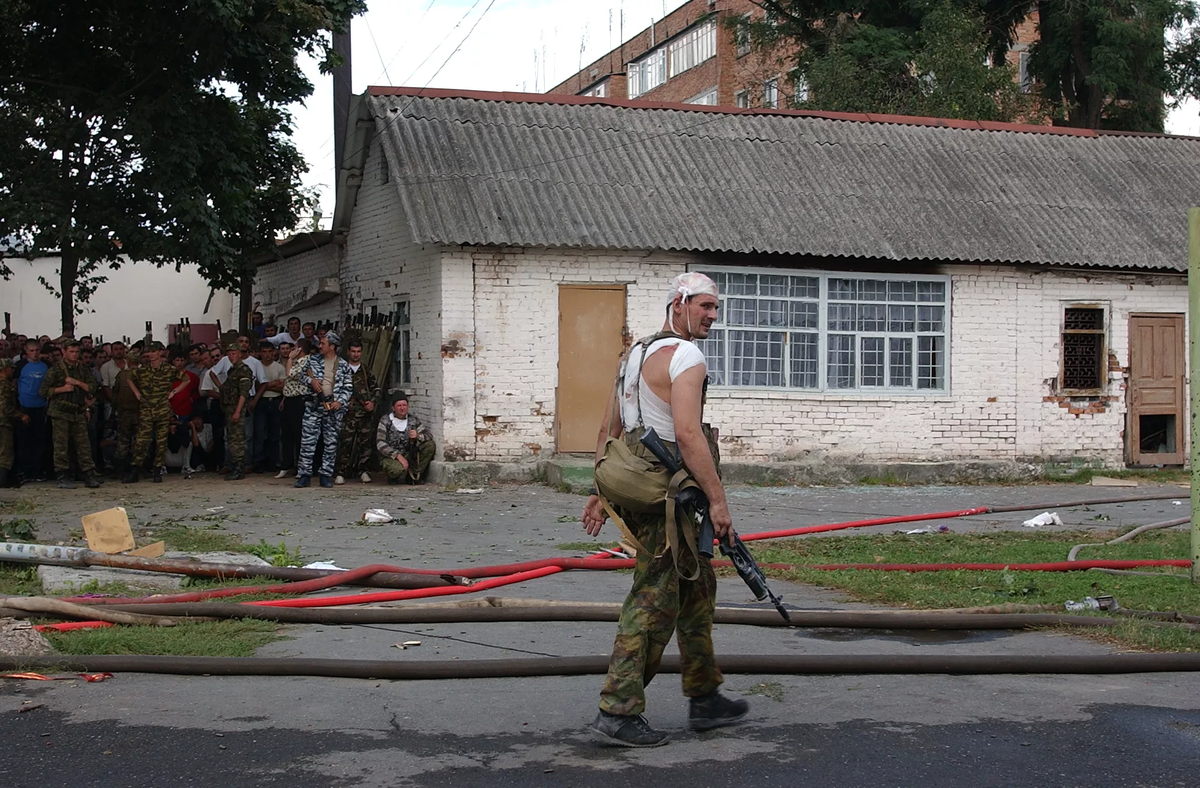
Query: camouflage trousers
{"type": "Point", "coordinates": [356, 442]}
{"type": "Point", "coordinates": [235, 440]}
{"type": "Point", "coordinates": [152, 425]}
{"type": "Point", "coordinates": [7, 456]}
{"type": "Point", "coordinates": [127, 422]}
{"type": "Point", "coordinates": [661, 602]}
{"type": "Point", "coordinates": [396, 471]}
{"type": "Point", "coordinates": [65, 432]}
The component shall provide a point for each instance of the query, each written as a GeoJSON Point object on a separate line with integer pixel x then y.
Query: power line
{"type": "Point", "coordinates": [378, 54]}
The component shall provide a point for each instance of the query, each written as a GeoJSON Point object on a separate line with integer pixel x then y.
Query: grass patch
{"type": "Point", "coordinates": [19, 580]}
{"type": "Point", "coordinates": [1148, 475]}
{"type": "Point", "coordinates": [19, 506]}
{"type": "Point", "coordinates": [966, 588]}
{"type": "Point", "coordinates": [193, 539]}
{"type": "Point", "coordinates": [232, 638]}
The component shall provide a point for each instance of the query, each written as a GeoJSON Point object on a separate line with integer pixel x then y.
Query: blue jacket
{"type": "Point", "coordinates": [29, 384]}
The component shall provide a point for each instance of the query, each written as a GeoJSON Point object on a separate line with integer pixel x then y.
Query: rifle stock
{"type": "Point", "coordinates": [732, 547]}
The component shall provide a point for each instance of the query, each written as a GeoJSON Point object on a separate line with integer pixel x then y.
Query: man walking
{"type": "Point", "coordinates": [70, 389]}
{"type": "Point", "coordinates": [329, 378]}
{"type": "Point", "coordinates": [358, 426]}
{"type": "Point", "coordinates": [662, 381]}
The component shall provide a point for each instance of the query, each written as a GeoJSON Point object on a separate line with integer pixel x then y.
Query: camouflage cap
{"type": "Point", "coordinates": [5, 363]}
{"type": "Point", "coordinates": [233, 346]}
{"type": "Point", "coordinates": [156, 346]}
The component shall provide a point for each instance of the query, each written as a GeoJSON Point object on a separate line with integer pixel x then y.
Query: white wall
{"type": "Point", "coordinates": [279, 284]}
{"type": "Point", "coordinates": [133, 294]}
{"type": "Point", "coordinates": [1004, 364]}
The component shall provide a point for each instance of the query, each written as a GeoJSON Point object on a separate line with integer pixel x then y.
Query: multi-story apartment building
{"type": "Point", "coordinates": [694, 55]}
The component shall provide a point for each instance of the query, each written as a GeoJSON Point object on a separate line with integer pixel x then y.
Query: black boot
{"type": "Point", "coordinates": [3, 478]}
{"type": "Point", "coordinates": [132, 476]}
{"type": "Point", "coordinates": [627, 731]}
{"type": "Point", "coordinates": [90, 481]}
{"type": "Point", "coordinates": [64, 481]}
{"type": "Point", "coordinates": [158, 474]}
{"type": "Point", "coordinates": [715, 711]}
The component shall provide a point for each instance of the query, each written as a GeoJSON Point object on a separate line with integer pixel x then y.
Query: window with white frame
{"type": "Point", "coordinates": [707, 97]}
{"type": "Point", "coordinates": [799, 88]}
{"type": "Point", "coordinates": [1024, 78]}
{"type": "Point", "coordinates": [401, 326]}
{"type": "Point", "coordinates": [648, 73]}
{"type": "Point", "coordinates": [599, 91]}
{"type": "Point", "coordinates": [771, 93]}
{"type": "Point", "coordinates": [742, 99]}
{"type": "Point", "coordinates": [693, 47]}
{"type": "Point", "coordinates": [830, 331]}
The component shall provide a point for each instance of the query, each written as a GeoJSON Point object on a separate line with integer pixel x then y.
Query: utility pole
{"type": "Point", "coordinates": [1194, 378]}
{"type": "Point", "coordinates": [342, 91]}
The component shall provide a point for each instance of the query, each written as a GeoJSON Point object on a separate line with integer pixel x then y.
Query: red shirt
{"type": "Point", "coordinates": [183, 402]}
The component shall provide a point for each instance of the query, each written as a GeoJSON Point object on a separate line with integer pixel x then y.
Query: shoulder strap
{"type": "Point", "coordinates": [644, 343]}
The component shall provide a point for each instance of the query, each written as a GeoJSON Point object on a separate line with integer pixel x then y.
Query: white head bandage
{"type": "Point", "coordinates": [692, 283]}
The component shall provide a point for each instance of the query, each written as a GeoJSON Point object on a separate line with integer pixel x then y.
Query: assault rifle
{"type": "Point", "coordinates": [732, 547]}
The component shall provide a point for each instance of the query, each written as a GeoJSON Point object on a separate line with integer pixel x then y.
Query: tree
{"type": "Point", "coordinates": [1107, 64]}
{"type": "Point", "coordinates": [918, 57]}
{"type": "Point", "coordinates": [154, 132]}
{"type": "Point", "coordinates": [1096, 64]}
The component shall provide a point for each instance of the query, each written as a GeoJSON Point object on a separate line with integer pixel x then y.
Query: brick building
{"type": "Point", "coordinates": [694, 55]}
{"type": "Point", "coordinates": [894, 289]}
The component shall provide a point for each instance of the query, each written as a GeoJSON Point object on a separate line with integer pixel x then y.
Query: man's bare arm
{"type": "Point", "coordinates": [686, 392]}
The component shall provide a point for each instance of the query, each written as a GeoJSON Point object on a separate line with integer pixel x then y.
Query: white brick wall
{"type": "Point", "coordinates": [1004, 357]}
{"type": "Point", "coordinates": [277, 285]}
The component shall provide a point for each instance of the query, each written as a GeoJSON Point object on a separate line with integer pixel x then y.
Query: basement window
{"type": "Point", "coordinates": [1083, 349]}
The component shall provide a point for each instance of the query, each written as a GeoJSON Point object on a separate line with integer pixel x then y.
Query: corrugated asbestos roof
{"type": "Point", "coordinates": [496, 171]}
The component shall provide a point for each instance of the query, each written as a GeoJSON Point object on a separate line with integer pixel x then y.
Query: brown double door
{"type": "Point", "coordinates": [1156, 404]}
{"type": "Point", "coordinates": [591, 332]}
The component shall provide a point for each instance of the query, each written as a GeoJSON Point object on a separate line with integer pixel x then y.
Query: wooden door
{"type": "Point", "coordinates": [591, 329]}
{"type": "Point", "coordinates": [1155, 422]}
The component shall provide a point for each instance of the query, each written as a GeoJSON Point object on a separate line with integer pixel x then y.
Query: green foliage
{"type": "Point", "coordinates": [1103, 63]}
{"type": "Point", "coordinates": [19, 530]}
{"type": "Point", "coordinates": [154, 132]}
{"type": "Point", "coordinates": [1096, 64]}
{"type": "Point", "coordinates": [918, 57]}
{"type": "Point", "coordinates": [190, 539]}
{"type": "Point", "coordinates": [19, 506]}
{"type": "Point", "coordinates": [278, 554]}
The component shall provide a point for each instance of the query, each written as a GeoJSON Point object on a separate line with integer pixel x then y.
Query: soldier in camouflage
{"type": "Point", "coordinates": [154, 384]}
{"type": "Point", "coordinates": [670, 593]}
{"type": "Point", "coordinates": [126, 404]}
{"type": "Point", "coordinates": [9, 413]}
{"type": "Point", "coordinates": [358, 425]}
{"type": "Point", "coordinates": [235, 393]}
{"type": "Point", "coordinates": [70, 388]}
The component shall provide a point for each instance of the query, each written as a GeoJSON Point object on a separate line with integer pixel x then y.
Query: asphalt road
{"type": "Point", "coordinates": [145, 730]}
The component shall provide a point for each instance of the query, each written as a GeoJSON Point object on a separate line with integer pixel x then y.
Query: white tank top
{"type": "Point", "coordinates": [654, 412]}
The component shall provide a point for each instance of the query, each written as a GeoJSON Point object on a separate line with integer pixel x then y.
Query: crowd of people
{"type": "Point", "coordinates": [286, 403]}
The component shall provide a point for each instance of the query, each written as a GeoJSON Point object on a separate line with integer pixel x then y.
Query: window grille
{"type": "Point", "coordinates": [826, 331]}
{"type": "Point", "coordinates": [1083, 354]}
{"type": "Point", "coordinates": [693, 47]}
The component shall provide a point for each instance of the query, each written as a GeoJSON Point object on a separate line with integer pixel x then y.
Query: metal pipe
{"type": "Point", "coordinates": [756, 664]}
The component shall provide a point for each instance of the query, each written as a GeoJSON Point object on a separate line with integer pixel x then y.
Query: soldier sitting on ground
{"type": "Point", "coordinates": [405, 446]}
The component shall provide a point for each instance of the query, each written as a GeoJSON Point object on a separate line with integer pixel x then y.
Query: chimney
{"type": "Point", "coordinates": [342, 90]}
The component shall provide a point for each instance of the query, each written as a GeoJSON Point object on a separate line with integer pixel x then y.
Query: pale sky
{"type": "Point", "coordinates": [525, 45]}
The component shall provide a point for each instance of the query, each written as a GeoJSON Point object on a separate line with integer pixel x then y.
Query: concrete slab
{"type": "Point", "coordinates": [73, 580]}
